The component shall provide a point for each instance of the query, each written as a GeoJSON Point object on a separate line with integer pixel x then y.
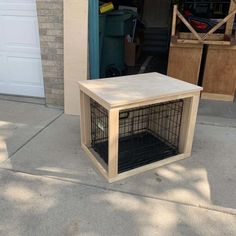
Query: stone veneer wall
{"type": "Point", "coordinates": [50, 19]}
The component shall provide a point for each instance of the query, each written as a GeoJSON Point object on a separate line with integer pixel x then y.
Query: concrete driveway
{"type": "Point", "coordinates": [49, 187]}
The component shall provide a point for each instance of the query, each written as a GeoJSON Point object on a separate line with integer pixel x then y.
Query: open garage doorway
{"type": "Point", "coordinates": [131, 38]}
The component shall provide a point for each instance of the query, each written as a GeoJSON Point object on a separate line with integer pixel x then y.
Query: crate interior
{"type": "Point", "coordinates": [146, 134]}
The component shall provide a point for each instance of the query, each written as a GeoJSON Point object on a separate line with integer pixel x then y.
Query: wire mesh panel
{"type": "Point", "coordinates": [99, 129]}
{"type": "Point", "coordinates": [146, 134]}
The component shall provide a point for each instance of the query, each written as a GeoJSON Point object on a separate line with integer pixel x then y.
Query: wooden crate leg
{"type": "Point", "coordinates": [113, 134]}
{"type": "Point", "coordinates": [85, 120]}
{"type": "Point", "coordinates": [188, 124]}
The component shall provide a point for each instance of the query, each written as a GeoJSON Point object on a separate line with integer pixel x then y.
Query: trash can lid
{"type": "Point", "coordinates": [129, 13]}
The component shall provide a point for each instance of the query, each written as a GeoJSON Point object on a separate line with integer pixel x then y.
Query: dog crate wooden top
{"type": "Point", "coordinates": [120, 91]}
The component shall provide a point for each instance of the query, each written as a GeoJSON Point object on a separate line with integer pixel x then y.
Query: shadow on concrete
{"type": "Point", "coordinates": [19, 123]}
{"type": "Point", "coordinates": [206, 179]}
{"type": "Point", "coordinates": [84, 202]}
{"type": "Point", "coordinates": [31, 205]}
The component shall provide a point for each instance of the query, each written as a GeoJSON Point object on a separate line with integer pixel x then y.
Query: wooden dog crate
{"type": "Point", "coordinates": [136, 123]}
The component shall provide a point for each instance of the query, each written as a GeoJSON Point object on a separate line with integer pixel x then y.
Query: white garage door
{"type": "Point", "coordinates": [20, 63]}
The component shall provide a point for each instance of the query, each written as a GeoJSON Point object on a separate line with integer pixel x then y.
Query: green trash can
{"type": "Point", "coordinates": [114, 26]}
{"type": "Point", "coordinates": [102, 25]}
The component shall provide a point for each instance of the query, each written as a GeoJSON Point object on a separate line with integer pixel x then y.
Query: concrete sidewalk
{"type": "Point", "coordinates": [49, 187]}
{"type": "Point", "coordinates": [20, 122]}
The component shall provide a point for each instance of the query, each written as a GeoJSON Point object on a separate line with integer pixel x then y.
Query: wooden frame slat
{"type": "Point", "coordinates": [208, 42]}
{"type": "Point", "coordinates": [84, 118]}
{"type": "Point", "coordinates": [173, 29]}
{"type": "Point", "coordinates": [230, 23]}
{"type": "Point", "coordinates": [113, 137]}
{"type": "Point", "coordinates": [188, 123]}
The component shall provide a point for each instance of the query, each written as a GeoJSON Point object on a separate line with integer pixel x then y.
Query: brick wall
{"type": "Point", "coordinates": [50, 18]}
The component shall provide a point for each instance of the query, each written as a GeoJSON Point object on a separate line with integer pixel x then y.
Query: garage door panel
{"type": "Point", "coordinates": [2, 67]}
{"type": "Point", "coordinates": [20, 58]}
{"type": "Point", "coordinates": [18, 8]}
{"type": "Point", "coordinates": [29, 68]}
{"type": "Point", "coordinates": [23, 34]}
{"type": "Point", "coordinates": [21, 89]}
{"type": "Point", "coordinates": [16, 12]}
{"type": "Point", "coordinates": [18, 5]}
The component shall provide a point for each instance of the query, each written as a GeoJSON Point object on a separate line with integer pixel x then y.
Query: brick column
{"type": "Point", "coordinates": [50, 19]}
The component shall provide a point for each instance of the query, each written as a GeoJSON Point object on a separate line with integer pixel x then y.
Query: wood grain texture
{"type": "Point", "coordinates": [75, 51]}
{"type": "Point", "coordinates": [208, 42]}
{"type": "Point", "coordinates": [188, 124]}
{"type": "Point", "coordinates": [121, 91]}
{"type": "Point", "coordinates": [218, 97]}
{"type": "Point", "coordinates": [184, 62]}
{"type": "Point", "coordinates": [188, 35]}
{"type": "Point", "coordinates": [220, 71]}
{"type": "Point", "coordinates": [174, 18]}
{"type": "Point", "coordinates": [113, 140]}
{"type": "Point", "coordinates": [85, 119]}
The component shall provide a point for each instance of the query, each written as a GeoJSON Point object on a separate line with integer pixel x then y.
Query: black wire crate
{"type": "Point", "coordinates": [146, 134]}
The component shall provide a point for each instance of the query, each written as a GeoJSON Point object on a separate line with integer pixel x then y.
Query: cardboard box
{"type": "Point", "coordinates": [132, 52]}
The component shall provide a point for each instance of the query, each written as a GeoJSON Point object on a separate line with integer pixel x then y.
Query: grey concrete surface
{"type": "Point", "coordinates": [32, 205]}
{"type": "Point", "coordinates": [22, 99]}
{"type": "Point", "coordinates": [49, 187]}
{"type": "Point", "coordinates": [19, 122]}
{"type": "Point", "coordinates": [216, 121]}
{"type": "Point", "coordinates": [206, 179]}
{"type": "Point", "coordinates": [218, 109]}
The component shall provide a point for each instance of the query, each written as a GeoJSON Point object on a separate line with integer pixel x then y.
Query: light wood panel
{"type": "Point", "coordinates": [75, 51]}
{"type": "Point", "coordinates": [208, 42]}
{"type": "Point", "coordinates": [84, 119]}
{"type": "Point", "coordinates": [184, 62]}
{"type": "Point", "coordinates": [187, 35]}
{"type": "Point", "coordinates": [113, 138]}
{"type": "Point", "coordinates": [188, 124]}
{"type": "Point", "coordinates": [219, 97]}
{"type": "Point", "coordinates": [121, 91]}
{"type": "Point", "coordinates": [220, 72]}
